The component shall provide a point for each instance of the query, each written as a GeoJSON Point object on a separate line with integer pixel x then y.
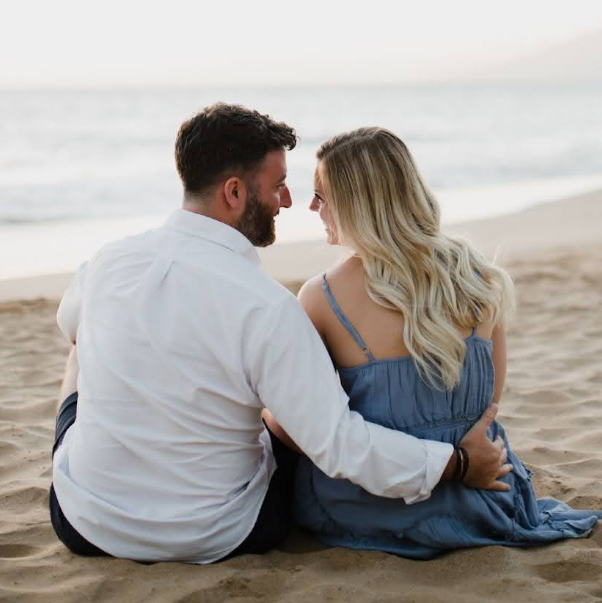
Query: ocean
{"type": "Point", "coordinates": [79, 168]}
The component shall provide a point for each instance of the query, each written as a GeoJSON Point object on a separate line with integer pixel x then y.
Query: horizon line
{"type": "Point", "coordinates": [291, 85]}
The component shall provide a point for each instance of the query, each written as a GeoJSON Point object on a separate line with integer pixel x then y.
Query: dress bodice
{"type": "Point", "coordinates": [393, 393]}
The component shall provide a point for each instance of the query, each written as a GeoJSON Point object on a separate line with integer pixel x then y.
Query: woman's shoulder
{"type": "Point", "coordinates": [314, 289]}
{"type": "Point", "coordinates": [314, 294]}
{"type": "Point", "coordinates": [313, 299]}
{"type": "Point", "coordinates": [351, 267]}
{"type": "Point", "coordinates": [311, 290]}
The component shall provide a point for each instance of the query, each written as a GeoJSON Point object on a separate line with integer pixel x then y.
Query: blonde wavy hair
{"type": "Point", "coordinates": [439, 284]}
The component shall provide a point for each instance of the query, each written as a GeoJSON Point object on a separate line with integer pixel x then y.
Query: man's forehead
{"type": "Point", "coordinates": [275, 163]}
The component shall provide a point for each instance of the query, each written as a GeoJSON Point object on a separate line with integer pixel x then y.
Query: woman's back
{"type": "Point", "coordinates": [380, 327]}
{"type": "Point", "coordinates": [377, 371]}
{"type": "Point", "coordinates": [385, 386]}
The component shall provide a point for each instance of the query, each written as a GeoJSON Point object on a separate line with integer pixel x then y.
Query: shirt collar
{"type": "Point", "coordinates": [214, 231]}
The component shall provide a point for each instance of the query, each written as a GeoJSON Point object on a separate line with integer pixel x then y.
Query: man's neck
{"type": "Point", "coordinates": [210, 209]}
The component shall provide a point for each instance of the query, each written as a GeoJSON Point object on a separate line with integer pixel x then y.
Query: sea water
{"type": "Point", "coordinates": [79, 168]}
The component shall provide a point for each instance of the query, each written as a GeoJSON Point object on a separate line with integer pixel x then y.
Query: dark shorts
{"type": "Point", "coordinates": [66, 533]}
{"type": "Point", "coordinates": [271, 528]}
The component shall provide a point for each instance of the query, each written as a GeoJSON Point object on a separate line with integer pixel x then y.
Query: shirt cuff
{"type": "Point", "coordinates": [437, 457]}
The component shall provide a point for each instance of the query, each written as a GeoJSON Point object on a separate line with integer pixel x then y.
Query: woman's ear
{"type": "Point", "coordinates": [235, 193]}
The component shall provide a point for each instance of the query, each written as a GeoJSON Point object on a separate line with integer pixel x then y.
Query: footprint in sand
{"type": "Point", "coordinates": [15, 551]}
{"type": "Point", "coordinates": [568, 571]}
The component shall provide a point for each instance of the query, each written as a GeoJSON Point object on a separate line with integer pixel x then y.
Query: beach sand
{"type": "Point", "coordinates": [552, 410]}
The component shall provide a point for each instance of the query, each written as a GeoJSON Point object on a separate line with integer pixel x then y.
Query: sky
{"type": "Point", "coordinates": [79, 43]}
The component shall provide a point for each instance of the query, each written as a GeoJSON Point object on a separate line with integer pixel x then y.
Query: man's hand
{"type": "Point", "coordinates": [487, 459]}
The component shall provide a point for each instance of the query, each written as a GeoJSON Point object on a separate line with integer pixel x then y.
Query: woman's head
{"type": "Point", "coordinates": [371, 197]}
{"type": "Point", "coordinates": [373, 191]}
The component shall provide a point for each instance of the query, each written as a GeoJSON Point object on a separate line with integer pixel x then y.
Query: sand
{"type": "Point", "coordinates": [552, 410]}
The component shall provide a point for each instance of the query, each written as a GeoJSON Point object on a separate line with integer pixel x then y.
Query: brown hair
{"type": "Point", "coordinates": [224, 139]}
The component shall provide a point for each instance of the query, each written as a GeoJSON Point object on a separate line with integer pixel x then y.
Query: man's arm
{"type": "Point", "coordinates": [292, 374]}
{"type": "Point", "coordinates": [488, 459]}
{"type": "Point", "coordinates": [272, 425]}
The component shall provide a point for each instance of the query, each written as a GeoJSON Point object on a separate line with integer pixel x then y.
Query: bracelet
{"type": "Point", "coordinates": [465, 462]}
{"type": "Point", "coordinates": [458, 466]}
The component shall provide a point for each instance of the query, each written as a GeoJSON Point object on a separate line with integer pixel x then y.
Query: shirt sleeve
{"type": "Point", "coordinates": [69, 312]}
{"type": "Point", "coordinates": [294, 377]}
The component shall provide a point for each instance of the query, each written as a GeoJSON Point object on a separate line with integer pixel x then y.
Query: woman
{"type": "Point", "coordinates": [414, 324]}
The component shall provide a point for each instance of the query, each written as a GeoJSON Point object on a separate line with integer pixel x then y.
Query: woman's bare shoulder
{"type": "Point", "coordinates": [312, 296]}
{"type": "Point", "coordinates": [311, 290]}
{"type": "Point", "coordinates": [345, 277]}
{"type": "Point", "coordinates": [350, 268]}
{"type": "Point", "coordinates": [313, 299]}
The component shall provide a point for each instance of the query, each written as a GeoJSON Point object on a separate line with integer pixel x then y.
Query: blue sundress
{"type": "Point", "coordinates": [391, 393]}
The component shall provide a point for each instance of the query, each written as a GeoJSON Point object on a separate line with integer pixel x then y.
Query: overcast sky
{"type": "Point", "coordinates": [79, 43]}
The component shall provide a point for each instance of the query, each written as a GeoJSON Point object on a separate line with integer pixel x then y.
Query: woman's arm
{"type": "Point", "coordinates": [498, 339]}
{"type": "Point", "coordinates": [273, 426]}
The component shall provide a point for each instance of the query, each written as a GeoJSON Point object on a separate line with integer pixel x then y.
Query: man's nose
{"type": "Point", "coordinates": [314, 204]}
{"type": "Point", "coordinates": [285, 198]}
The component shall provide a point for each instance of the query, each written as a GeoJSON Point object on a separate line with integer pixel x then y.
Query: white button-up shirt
{"type": "Point", "coordinates": [182, 340]}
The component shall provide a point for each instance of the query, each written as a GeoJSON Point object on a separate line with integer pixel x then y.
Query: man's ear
{"type": "Point", "coordinates": [235, 193]}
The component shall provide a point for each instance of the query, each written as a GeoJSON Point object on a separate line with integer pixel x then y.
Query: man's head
{"type": "Point", "coordinates": [231, 161]}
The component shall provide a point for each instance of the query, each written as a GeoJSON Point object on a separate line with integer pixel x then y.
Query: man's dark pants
{"type": "Point", "coordinates": [272, 525]}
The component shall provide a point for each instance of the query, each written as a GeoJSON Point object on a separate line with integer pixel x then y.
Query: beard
{"type": "Point", "coordinates": [257, 222]}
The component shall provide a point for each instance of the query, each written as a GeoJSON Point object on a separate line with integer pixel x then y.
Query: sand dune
{"type": "Point", "coordinates": [552, 410]}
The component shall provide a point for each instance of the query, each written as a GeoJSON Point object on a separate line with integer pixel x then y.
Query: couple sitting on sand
{"type": "Point", "coordinates": [183, 345]}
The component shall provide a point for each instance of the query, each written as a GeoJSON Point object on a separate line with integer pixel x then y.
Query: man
{"type": "Point", "coordinates": [182, 342]}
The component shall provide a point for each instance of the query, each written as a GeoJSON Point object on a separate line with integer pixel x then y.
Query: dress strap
{"type": "Point", "coordinates": [344, 320]}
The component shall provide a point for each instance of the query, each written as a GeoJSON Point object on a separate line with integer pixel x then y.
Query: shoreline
{"type": "Point", "coordinates": [574, 221]}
